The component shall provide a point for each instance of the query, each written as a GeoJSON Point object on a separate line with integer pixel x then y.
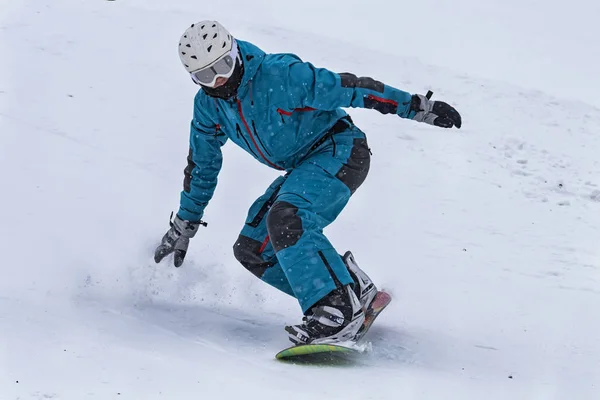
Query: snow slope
{"type": "Point", "coordinates": [487, 236]}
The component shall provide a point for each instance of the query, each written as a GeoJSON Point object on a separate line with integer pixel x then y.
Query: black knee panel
{"type": "Point", "coordinates": [284, 225]}
{"type": "Point", "coordinates": [247, 252]}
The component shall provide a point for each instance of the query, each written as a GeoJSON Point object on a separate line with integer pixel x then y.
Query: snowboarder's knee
{"type": "Point", "coordinates": [248, 252]}
{"type": "Point", "coordinates": [284, 225]}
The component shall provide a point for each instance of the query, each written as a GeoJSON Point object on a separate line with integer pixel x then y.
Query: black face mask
{"type": "Point", "coordinates": [230, 88]}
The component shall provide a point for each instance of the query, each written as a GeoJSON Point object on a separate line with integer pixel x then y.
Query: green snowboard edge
{"type": "Point", "coordinates": [307, 349]}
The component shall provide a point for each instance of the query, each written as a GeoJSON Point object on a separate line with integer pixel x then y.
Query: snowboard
{"type": "Point", "coordinates": [337, 352]}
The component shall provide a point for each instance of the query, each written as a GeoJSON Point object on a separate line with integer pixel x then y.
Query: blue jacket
{"type": "Point", "coordinates": [283, 107]}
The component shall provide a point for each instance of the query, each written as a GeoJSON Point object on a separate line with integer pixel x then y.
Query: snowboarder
{"type": "Point", "coordinates": [288, 115]}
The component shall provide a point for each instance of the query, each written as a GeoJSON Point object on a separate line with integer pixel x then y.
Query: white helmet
{"type": "Point", "coordinates": [204, 43]}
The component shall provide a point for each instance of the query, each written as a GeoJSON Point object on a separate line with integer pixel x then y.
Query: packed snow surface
{"type": "Point", "coordinates": [487, 237]}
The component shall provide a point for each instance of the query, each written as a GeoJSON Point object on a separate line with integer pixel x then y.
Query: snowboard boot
{"type": "Point", "coordinates": [335, 318]}
{"type": "Point", "coordinates": [364, 287]}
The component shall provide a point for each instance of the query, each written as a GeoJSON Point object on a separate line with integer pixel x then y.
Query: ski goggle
{"type": "Point", "coordinates": [223, 67]}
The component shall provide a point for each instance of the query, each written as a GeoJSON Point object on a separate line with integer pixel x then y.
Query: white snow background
{"type": "Point", "coordinates": [488, 237]}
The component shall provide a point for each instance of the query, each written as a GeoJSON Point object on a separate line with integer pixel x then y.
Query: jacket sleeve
{"type": "Point", "coordinates": [321, 89]}
{"type": "Point", "coordinates": [203, 165]}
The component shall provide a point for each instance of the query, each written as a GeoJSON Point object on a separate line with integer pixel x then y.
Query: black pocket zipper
{"type": "Point", "coordinates": [260, 141]}
{"type": "Point", "coordinates": [238, 130]}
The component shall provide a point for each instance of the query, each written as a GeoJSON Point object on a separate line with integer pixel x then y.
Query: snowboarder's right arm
{"type": "Point", "coordinates": [203, 165]}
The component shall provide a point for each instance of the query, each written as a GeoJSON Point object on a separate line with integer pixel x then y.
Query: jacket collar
{"type": "Point", "coordinates": [252, 57]}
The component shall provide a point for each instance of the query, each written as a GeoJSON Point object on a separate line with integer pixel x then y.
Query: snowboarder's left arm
{"type": "Point", "coordinates": [322, 89]}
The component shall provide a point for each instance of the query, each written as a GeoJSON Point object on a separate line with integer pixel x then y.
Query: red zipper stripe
{"type": "Point", "coordinates": [239, 103]}
{"type": "Point", "coordinates": [288, 113]}
{"type": "Point", "coordinates": [382, 100]}
{"type": "Point", "coordinates": [283, 112]}
{"type": "Point", "coordinates": [264, 244]}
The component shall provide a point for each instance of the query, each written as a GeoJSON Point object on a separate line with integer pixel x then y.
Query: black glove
{"type": "Point", "coordinates": [435, 113]}
{"type": "Point", "coordinates": [177, 239]}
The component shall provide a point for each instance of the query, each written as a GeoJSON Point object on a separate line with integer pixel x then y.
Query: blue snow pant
{"type": "Point", "coordinates": [282, 241]}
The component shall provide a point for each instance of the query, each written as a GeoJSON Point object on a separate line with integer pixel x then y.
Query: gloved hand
{"type": "Point", "coordinates": [435, 113]}
{"type": "Point", "coordinates": [177, 240]}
